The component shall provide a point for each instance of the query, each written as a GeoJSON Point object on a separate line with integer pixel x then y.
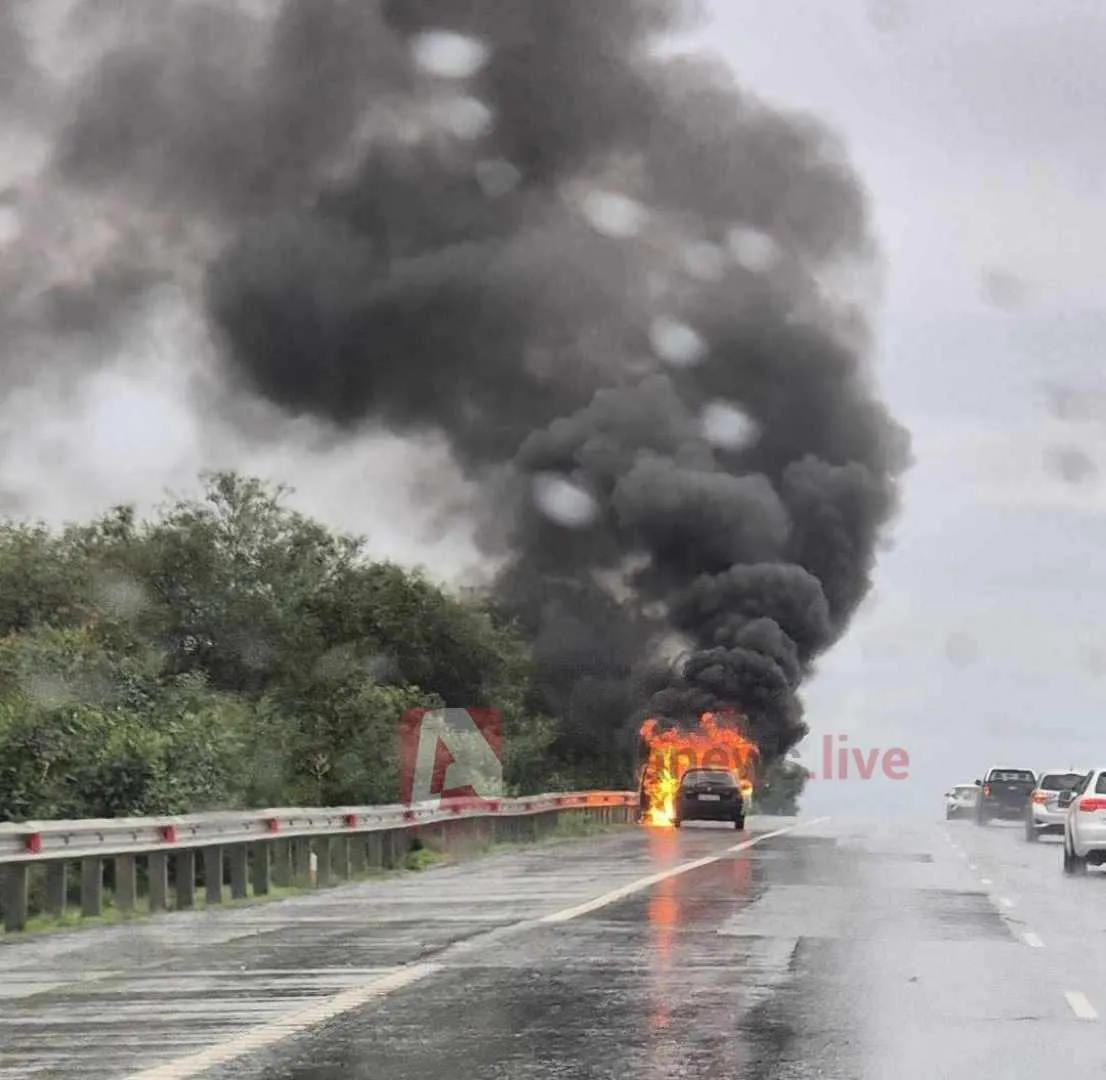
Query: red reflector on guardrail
{"type": "Point", "coordinates": [273, 825]}
{"type": "Point", "coordinates": [169, 834]}
{"type": "Point", "coordinates": [351, 821]}
{"type": "Point", "coordinates": [32, 843]}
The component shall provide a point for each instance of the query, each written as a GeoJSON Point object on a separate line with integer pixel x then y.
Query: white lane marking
{"type": "Point", "coordinates": [971, 866]}
{"type": "Point", "coordinates": [655, 879]}
{"type": "Point", "coordinates": [266, 1035]}
{"type": "Point", "coordinates": [1080, 1005]}
{"type": "Point", "coordinates": [1006, 902]}
{"type": "Point", "coordinates": [1032, 940]}
{"type": "Point", "coordinates": [985, 881]}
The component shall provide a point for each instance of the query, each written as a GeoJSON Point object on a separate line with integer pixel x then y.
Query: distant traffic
{"type": "Point", "coordinates": [1066, 802]}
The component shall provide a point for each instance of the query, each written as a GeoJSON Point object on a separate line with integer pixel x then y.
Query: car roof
{"type": "Point", "coordinates": [1065, 769]}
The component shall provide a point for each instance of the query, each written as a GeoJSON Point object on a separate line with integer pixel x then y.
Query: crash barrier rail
{"type": "Point", "coordinates": [257, 849]}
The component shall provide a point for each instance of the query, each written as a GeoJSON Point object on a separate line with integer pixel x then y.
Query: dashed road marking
{"type": "Point", "coordinates": [1080, 1005]}
{"type": "Point", "coordinates": [985, 881]}
{"type": "Point", "coordinates": [1006, 901]}
{"type": "Point", "coordinates": [1032, 940]}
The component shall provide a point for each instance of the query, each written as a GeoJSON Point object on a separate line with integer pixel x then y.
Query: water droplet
{"type": "Point", "coordinates": [468, 118]}
{"type": "Point", "coordinates": [753, 249]}
{"type": "Point", "coordinates": [497, 178]}
{"type": "Point", "coordinates": [564, 502]}
{"type": "Point", "coordinates": [676, 343]}
{"type": "Point", "coordinates": [726, 426]}
{"type": "Point", "coordinates": [613, 214]}
{"type": "Point", "coordinates": [449, 56]}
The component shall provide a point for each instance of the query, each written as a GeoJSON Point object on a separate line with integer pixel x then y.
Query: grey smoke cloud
{"type": "Point", "coordinates": [523, 228]}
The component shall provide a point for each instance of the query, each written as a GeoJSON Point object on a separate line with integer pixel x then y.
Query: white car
{"type": "Point", "coordinates": [960, 801]}
{"type": "Point", "coordinates": [1085, 823]}
{"type": "Point", "coordinates": [1045, 814]}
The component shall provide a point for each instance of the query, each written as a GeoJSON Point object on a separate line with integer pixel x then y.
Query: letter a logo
{"type": "Point", "coordinates": [449, 754]}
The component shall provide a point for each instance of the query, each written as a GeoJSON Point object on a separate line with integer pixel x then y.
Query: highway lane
{"type": "Point", "coordinates": [1062, 916]}
{"type": "Point", "coordinates": [837, 950]}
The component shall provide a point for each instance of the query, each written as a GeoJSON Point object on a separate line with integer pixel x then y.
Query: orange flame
{"type": "Point", "coordinates": [713, 744]}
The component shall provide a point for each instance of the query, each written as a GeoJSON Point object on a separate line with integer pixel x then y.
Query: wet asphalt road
{"type": "Point", "coordinates": [835, 950]}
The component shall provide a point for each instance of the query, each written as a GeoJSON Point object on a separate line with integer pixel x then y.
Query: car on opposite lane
{"type": "Point", "coordinates": [1044, 815]}
{"type": "Point", "coordinates": [1085, 823]}
{"type": "Point", "coordinates": [710, 795]}
{"type": "Point", "coordinates": [1004, 793]}
{"type": "Point", "coordinates": [960, 801]}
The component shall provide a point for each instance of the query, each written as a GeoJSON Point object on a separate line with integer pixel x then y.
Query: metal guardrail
{"type": "Point", "coordinates": [311, 845]}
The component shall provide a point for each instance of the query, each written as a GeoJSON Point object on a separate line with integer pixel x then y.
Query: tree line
{"type": "Point", "coordinates": [231, 652]}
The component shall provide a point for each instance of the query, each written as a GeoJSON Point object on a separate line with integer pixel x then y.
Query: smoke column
{"type": "Point", "coordinates": [607, 275]}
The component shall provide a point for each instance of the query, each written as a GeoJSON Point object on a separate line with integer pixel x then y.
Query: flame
{"type": "Point", "coordinates": [713, 744]}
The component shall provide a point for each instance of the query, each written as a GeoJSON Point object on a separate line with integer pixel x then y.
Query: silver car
{"type": "Point", "coordinates": [1085, 823]}
{"type": "Point", "coordinates": [960, 801]}
{"type": "Point", "coordinates": [1044, 813]}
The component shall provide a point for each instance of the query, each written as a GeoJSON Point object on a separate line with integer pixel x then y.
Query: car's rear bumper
{"type": "Point", "coordinates": [1089, 836]}
{"type": "Point", "coordinates": [1047, 819]}
{"type": "Point", "coordinates": [1003, 810]}
{"type": "Point", "coordinates": [693, 810]}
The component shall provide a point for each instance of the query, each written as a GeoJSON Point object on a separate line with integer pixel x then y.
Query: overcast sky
{"type": "Point", "coordinates": [977, 131]}
{"type": "Point", "coordinates": [975, 128]}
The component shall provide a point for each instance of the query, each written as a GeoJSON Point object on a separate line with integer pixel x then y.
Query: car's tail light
{"type": "Point", "coordinates": [1039, 797]}
{"type": "Point", "coordinates": [1089, 804]}
{"type": "Point", "coordinates": [986, 789]}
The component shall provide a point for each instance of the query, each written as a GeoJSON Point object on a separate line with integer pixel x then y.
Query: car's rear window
{"type": "Point", "coordinates": [1060, 781]}
{"type": "Point", "coordinates": [1100, 784]}
{"type": "Point", "coordinates": [965, 789]}
{"type": "Point", "coordinates": [715, 776]}
{"type": "Point", "coordinates": [1011, 774]}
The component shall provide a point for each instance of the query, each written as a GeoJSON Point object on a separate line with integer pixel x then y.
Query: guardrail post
{"type": "Point", "coordinates": [325, 861]}
{"type": "Point", "coordinates": [282, 863]}
{"type": "Point", "coordinates": [374, 850]}
{"type": "Point", "coordinates": [92, 887]}
{"type": "Point", "coordinates": [358, 856]}
{"type": "Point", "coordinates": [340, 856]}
{"type": "Point", "coordinates": [157, 869]}
{"type": "Point", "coordinates": [185, 870]}
{"type": "Point", "coordinates": [213, 875]}
{"type": "Point", "coordinates": [57, 888]}
{"type": "Point", "coordinates": [239, 872]}
{"type": "Point", "coordinates": [303, 860]}
{"type": "Point", "coordinates": [126, 882]}
{"type": "Point", "coordinates": [15, 897]}
{"type": "Point", "coordinates": [260, 868]}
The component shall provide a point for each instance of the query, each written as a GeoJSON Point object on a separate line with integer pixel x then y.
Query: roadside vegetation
{"type": "Point", "coordinates": [230, 652]}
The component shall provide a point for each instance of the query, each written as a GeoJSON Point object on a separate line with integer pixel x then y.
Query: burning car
{"type": "Point", "coordinates": [710, 795]}
{"type": "Point", "coordinates": [715, 744]}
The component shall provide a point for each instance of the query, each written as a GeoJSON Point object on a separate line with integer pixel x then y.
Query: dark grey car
{"type": "Point", "coordinates": [710, 795]}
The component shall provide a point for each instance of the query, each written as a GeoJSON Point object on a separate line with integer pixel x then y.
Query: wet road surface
{"type": "Point", "coordinates": [834, 950]}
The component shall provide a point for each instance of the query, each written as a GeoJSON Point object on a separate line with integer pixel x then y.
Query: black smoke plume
{"type": "Point", "coordinates": [605, 272]}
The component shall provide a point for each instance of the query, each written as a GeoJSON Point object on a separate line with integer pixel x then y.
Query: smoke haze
{"type": "Point", "coordinates": [610, 280]}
